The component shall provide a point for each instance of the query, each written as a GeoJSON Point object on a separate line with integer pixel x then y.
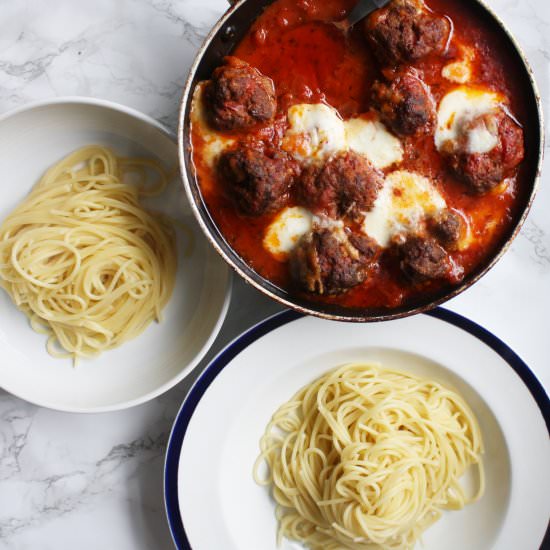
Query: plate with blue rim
{"type": "Point", "coordinates": [212, 501]}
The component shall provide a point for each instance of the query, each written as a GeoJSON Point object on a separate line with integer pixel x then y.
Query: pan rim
{"type": "Point", "coordinates": [319, 309]}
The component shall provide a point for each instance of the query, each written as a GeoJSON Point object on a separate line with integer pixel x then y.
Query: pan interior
{"type": "Point", "coordinates": [227, 33]}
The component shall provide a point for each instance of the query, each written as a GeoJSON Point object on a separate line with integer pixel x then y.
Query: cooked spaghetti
{"type": "Point", "coordinates": [366, 457]}
{"type": "Point", "coordinates": [83, 259]}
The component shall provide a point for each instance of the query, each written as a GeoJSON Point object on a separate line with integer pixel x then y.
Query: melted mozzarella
{"type": "Point", "coordinates": [324, 222]}
{"type": "Point", "coordinates": [370, 138]}
{"type": "Point", "coordinates": [214, 142]}
{"type": "Point", "coordinates": [481, 140]}
{"type": "Point", "coordinates": [401, 207]}
{"type": "Point", "coordinates": [287, 228]}
{"type": "Point", "coordinates": [316, 131]}
{"type": "Point", "coordinates": [460, 71]}
{"type": "Point", "coordinates": [460, 107]}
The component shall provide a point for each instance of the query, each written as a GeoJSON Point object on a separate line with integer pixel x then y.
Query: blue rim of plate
{"type": "Point", "coordinates": [223, 358]}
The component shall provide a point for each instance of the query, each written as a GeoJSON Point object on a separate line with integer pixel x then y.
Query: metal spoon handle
{"type": "Point", "coordinates": [362, 9]}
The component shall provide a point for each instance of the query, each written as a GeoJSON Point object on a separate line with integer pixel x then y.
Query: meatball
{"type": "Point", "coordinates": [484, 171]}
{"type": "Point", "coordinates": [367, 247]}
{"type": "Point", "coordinates": [402, 32]}
{"type": "Point", "coordinates": [346, 185]}
{"type": "Point", "coordinates": [406, 104]}
{"type": "Point", "coordinates": [421, 259]}
{"type": "Point", "coordinates": [240, 96]}
{"type": "Point", "coordinates": [446, 227]}
{"type": "Point", "coordinates": [258, 180]}
{"type": "Point", "coordinates": [329, 261]}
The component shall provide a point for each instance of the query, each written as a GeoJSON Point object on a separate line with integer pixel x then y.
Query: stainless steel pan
{"type": "Point", "coordinates": [227, 32]}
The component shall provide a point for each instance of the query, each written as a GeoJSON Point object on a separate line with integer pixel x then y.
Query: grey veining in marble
{"type": "Point", "coordinates": [95, 481]}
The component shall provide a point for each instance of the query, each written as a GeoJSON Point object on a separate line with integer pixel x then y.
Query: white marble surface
{"type": "Point", "coordinates": [95, 481]}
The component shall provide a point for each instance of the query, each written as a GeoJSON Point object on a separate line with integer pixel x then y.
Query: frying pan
{"type": "Point", "coordinates": [226, 34]}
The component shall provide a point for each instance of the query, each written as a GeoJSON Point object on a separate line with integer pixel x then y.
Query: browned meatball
{"type": "Point", "coordinates": [406, 104]}
{"type": "Point", "coordinates": [446, 227]}
{"type": "Point", "coordinates": [367, 247]}
{"type": "Point", "coordinates": [329, 261]}
{"type": "Point", "coordinates": [484, 171]}
{"type": "Point", "coordinates": [347, 184]}
{"type": "Point", "coordinates": [401, 32]}
{"type": "Point", "coordinates": [423, 259]}
{"type": "Point", "coordinates": [240, 96]}
{"type": "Point", "coordinates": [256, 179]}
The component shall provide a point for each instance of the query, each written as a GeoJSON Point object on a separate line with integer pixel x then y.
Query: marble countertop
{"type": "Point", "coordinates": [95, 481]}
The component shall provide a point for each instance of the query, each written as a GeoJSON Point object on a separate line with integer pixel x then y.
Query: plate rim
{"type": "Point", "coordinates": [109, 105]}
{"type": "Point", "coordinates": [267, 325]}
{"type": "Point", "coordinates": [89, 102]}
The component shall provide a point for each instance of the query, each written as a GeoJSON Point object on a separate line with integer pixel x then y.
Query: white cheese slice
{"type": "Point", "coordinates": [401, 207]}
{"type": "Point", "coordinates": [316, 132]}
{"type": "Point", "coordinates": [460, 107]}
{"type": "Point", "coordinates": [214, 142]}
{"type": "Point", "coordinates": [370, 138]}
{"type": "Point", "coordinates": [287, 228]}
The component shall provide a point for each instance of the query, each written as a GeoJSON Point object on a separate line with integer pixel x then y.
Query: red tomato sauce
{"type": "Point", "coordinates": [310, 61]}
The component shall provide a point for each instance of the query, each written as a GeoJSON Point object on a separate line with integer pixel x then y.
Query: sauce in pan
{"type": "Point", "coordinates": [312, 63]}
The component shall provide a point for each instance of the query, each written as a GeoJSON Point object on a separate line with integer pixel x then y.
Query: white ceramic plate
{"type": "Point", "coordinates": [32, 139]}
{"type": "Point", "coordinates": [212, 501]}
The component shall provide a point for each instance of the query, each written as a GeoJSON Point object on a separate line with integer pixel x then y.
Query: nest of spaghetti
{"type": "Point", "coordinates": [368, 458]}
{"type": "Point", "coordinates": [81, 256]}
